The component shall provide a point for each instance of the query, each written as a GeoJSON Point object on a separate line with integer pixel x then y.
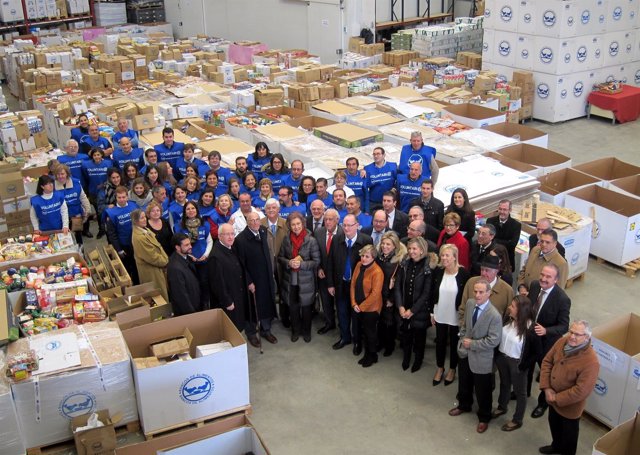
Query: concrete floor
{"type": "Point", "coordinates": [310, 399]}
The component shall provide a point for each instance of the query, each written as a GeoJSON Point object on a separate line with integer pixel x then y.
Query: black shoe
{"type": "Point", "coordinates": [361, 361]}
{"type": "Point", "coordinates": [306, 338]}
{"type": "Point", "coordinates": [325, 329]}
{"type": "Point", "coordinates": [368, 361]}
{"type": "Point", "coordinates": [387, 352]}
{"type": "Point", "coordinates": [294, 338]}
{"type": "Point", "coordinates": [286, 324]}
{"type": "Point", "coordinates": [513, 396]}
{"type": "Point", "coordinates": [101, 234]}
{"type": "Point", "coordinates": [548, 450]}
{"type": "Point", "coordinates": [497, 413]}
{"type": "Point", "coordinates": [87, 234]}
{"type": "Point", "coordinates": [539, 412]}
{"type": "Point", "coordinates": [339, 345]}
{"type": "Point", "coordinates": [406, 361]}
{"type": "Point", "coordinates": [357, 349]}
{"type": "Point", "coordinates": [416, 366]}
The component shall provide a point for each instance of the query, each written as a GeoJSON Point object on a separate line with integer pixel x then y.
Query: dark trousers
{"type": "Point", "coordinates": [300, 315]}
{"type": "Point", "coordinates": [510, 375]}
{"type": "Point", "coordinates": [387, 328]}
{"type": "Point", "coordinates": [328, 303]}
{"type": "Point", "coordinates": [129, 263]}
{"type": "Point", "coordinates": [265, 326]}
{"type": "Point", "coordinates": [564, 432]}
{"type": "Point", "coordinates": [283, 308]}
{"type": "Point", "coordinates": [367, 322]}
{"type": "Point", "coordinates": [202, 269]}
{"type": "Point", "coordinates": [470, 382]}
{"type": "Point", "coordinates": [447, 335]}
{"type": "Point", "coordinates": [542, 401]}
{"type": "Point", "coordinates": [343, 302]}
{"type": "Point", "coordinates": [413, 339]}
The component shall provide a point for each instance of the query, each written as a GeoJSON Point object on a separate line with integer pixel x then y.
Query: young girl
{"type": "Point", "coordinates": [129, 174]}
{"type": "Point", "coordinates": [139, 193]}
{"type": "Point", "coordinates": [192, 185]}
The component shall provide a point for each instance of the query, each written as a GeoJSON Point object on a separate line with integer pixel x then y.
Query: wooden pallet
{"type": "Point", "coordinates": [68, 446]}
{"type": "Point", "coordinates": [197, 423]}
{"type": "Point", "coordinates": [629, 269]}
{"type": "Point", "coordinates": [570, 281]}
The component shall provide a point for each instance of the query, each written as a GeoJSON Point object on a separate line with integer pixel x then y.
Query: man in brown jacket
{"type": "Point", "coordinates": [568, 374]}
{"type": "Point", "coordinates": [544, 253]}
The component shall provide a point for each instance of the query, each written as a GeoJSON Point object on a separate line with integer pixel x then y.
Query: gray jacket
{"type": "Point", "coordinates": [485, 335]}
{"type": "Point", "coordinates": [310, 254]}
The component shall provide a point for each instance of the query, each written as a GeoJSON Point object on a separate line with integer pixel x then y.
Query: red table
{"type": "Point", "coordinates": [624, 105]}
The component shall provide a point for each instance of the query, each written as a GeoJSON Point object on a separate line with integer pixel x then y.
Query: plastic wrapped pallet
{"type": "Point", "coordinates": [46, 403]}
{"type": "Point", "coordinates": [451, 150]}
{"type": "Point", "coordinates": [9, 429]}
{"type": "Point", "coordinates": [400, 133]}
{"type": "Point", "coordinates": [485, 139]}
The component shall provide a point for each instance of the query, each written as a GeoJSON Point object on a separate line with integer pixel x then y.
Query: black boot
{"type": "Point", "coordinates": [369, 359]}
{"type": "Point", "coordinates": [417, 364]}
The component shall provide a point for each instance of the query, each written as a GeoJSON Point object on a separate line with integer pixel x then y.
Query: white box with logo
{"type": "Point", "coordinates": [612, 73]}
{"type": "Point", "coordinates": [11, 11]}
{"type": "Point", "coordinates": [588, 53]}
{"type": "Point", "coordinates": [502, 15]}
{"type": "Point", "coordinates": [504, 48]}
{"type": "Point", "coordinates": [176, 393]}
{"type": "Point", "coordinates": [581, 85]}
{"type": "Point", "coordinates": [556, 18]}
{"type": "Point", "coordinates": [586, 17]}
{"type": "Point", "coordinates": [525, 52]}
{"type": "Point", "coordinates": [46, 403]}
{"type": "Point", "coordinates": [550, 92]}
{"type": "Point", "coordinates": [621, 15]}
{"type": "Point", "coordinates": [527, 17]}
{"type": "Point", "coordinates": [633, 70]}
{"type": "Point", "coordinates": [615, 342]}
{"type": "Point", "coordinates": [487, 46]}
{"type": "Point", "coordinates": [504, 72]}
{"type": "Point", "coordinates": [631, 402]}
{"type": "Point", "coordinates": [10, 434]}
{"type": "Point", "coordinates": [618, 48]}
{"type": "Point", "coordinates": [553, 55]}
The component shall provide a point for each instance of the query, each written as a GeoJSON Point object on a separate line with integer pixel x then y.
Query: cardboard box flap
{"type": "Point", "coordinates": [472, 111]}
{"type": "Point", "coordinates": [430, 104]}
{"type": "Point", "coordinates": [361, 102]}
{"type": "Point", "coordinates": [608, 168]}
{"type": "Point", "coordinates": [513, 164]}
{"type": "Point", "coordinates": [336, 108]}
{"type": "Point", "coordinates": [346, 131]}
{"type": "Point", "coordinates": [622, 440]}
{"type": "Point", "coordinates": [156, 138]}
{"type": "Point", "coordinates": [225, 145]}
{"type": "Point", "coordinates": [168, 347]}
{"type": "Point", "coordinates": [375, 118]}
{"type": "Point", "coordinates": [311, 122]}
{"type": "Point", "coordinates": [610, 200]}
{"type": "Point", "coordinates": [400, 93]}
{"type": "Point", "coordinates": [520, 132]}
{"type": "Point", "coordinates": [630, 184]}
{"type": "Point", "coordinates": [563, 180]}
{"type": "Point", "coordinates": [280, 131]}
{"type": "Point", "coordinates": [531, 154]}
{"type": "Point", "coordinates": [622, 333]}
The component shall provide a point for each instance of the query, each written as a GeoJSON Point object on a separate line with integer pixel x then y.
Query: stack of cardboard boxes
{"type": "Point", "coordinates": [524, 81]}
{"type": "Point", "coordinates": [23, 132]}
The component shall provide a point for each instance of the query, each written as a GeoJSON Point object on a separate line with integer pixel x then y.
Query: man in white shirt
{"type": "Point", "coordinates": [238, 219]}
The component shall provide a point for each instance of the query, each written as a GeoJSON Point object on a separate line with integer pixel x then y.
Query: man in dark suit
{"type": "Point", "coordinates": [184, 287]}
{"type": "Point", "coordinates": [481, 247]}
{"type": "Point", "coordinates": [542, 225]}
{"type": "Point", "coordinates": [507, 229]}
{"type": "Point", "coordinates": [277, 230]}
{"type": "Point", "coordinates": [325, 236]}
{"type": "Point", "coordinates": [433, 208]}
{"type": "Point", "coordinates": [253, 251]}
{"type": "Point", "coordinates": [552, 306]}
{"type": "Point", "coordinates": [378, 227]}
{"type": "Point", "coordinates": [398, 221]}
{"type": "Point", "coordinates": [430, 232]}
{"type": "Point", "coordinates": [316, 219]}
{"type": "Point", "coordinates": [343, 257]}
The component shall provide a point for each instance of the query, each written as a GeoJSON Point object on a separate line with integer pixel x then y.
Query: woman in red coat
{"type": "Point", "coordinates": [451, 234]}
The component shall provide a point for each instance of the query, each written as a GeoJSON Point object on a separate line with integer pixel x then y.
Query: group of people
{"type": "Point", "coordinates": [378, 252]}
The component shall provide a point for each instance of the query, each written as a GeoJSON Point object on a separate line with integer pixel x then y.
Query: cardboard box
{"type": "Point", "coordinates": [176, 393]}
{"type": "Point", "coordinates": [622, 440]}
{"type": "Point", "coordinates": [617, 222]}
{"type": "Point", "coordinates": [11, 185]}
{"type": "Point", "coordinates": [334, 110]}
{"type": "Point", "coordinates": [310, 122]}
{"type": "Point", "coordinates": [173, 346]}
{"type": "Point", "coordinates": [555, 186]}
{"type": "Point", "coordinates": [143, 122]}
{"type": "Point", "coordinates": [10, 433]}
{"type": "Point", "coordinates": [348, 136]}
{"type": "Point", "coordinates": [627, 185]}
{"type": "Point", "coordinates": [631, 401]}
{"type": "Point", "coordinates": [269, 97]}
{"type": "Point", "coordinates": [47, 410]}
{"type": "Point", "coordinates": [473, 115]}
{"type": "Point", "coordinates": [239, 440]}
{"type": "Point", "coordinates": [275, 134]}
{"type": "Point", "coordinates": [95, 441]}
{"type": "Point", "coordinates": [608, 169]}
{"type": "Point", "coordinates": [284, 113]}
{"type": "Point", "coordinates": [615, 342]}
{"type": "Point", "coordinates": [524, 134]}
{"type": "Point", "coordinates": [545, 160]}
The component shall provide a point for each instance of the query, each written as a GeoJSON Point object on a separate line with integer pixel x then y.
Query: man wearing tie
{"type": "Point", "coordinates": [378, 227]}
{"type": "Point", "coordinates": [316, 219]}
{"type": "Point", "coordinates": [253, 251]}
{"type": "Point", "coordinates": [552, 307]}
{"type": "Point", "coordinates": [325, 235]}
{"type": "Point", "coordinates": [277, 230]}
{"type": "Point", "coordinates": [343, 257]}
{"type": "Point", "coordinates": [507, 229]}
{"type": "Point", "coordinates": [480, 333]}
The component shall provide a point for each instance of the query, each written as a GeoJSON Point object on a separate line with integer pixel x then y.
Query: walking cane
{"type": "Point", "coordinates": [255, 306]}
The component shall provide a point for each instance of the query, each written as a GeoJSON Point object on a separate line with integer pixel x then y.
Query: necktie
{"type": "Point", "coordinates": [273, 229]}
{"type": "Point", "coordinates": [258, 236]}
{"type": "Point", "coordinates": [329, 238]}
{"type": "Point", "coordinates": [539, 302]}
{"type": "Point", "coordinates": [316, 225]}
{"type": "Point", "coordinates": [474, 318]}
{"type": "Point", "coordinates": [347, 268]}
{"type": "Point", "coordinates": [481, 250]}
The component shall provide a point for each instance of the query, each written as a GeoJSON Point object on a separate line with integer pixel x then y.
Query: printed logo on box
{"type": "Point", "coordinates": [546, 55]}
{"type": "Point", "coordinates": [601, 387]}
{"type": "Point", "coordinates": [506, 14]}
{"type": "Point", "coordinates": [497, 173]}
{"type": "Point", "coordinates": [596, 232]}
{"type": "Point", "coordinates": [524, 53]}
{"type": "Point", "coordinates": [574, 258]}
{"type": "Point", "coordinates": [636, 373]}
{"type": "Point", "coordinates": [53, 345]}
{"type": "Point", "coordinates": [504, 48]}
{"type": "Point", "coordinates": [637, 77]}
{"type": "Point", "coordinates": [567, 58]}
{"type": "Point", "coordinates": [578, 89]}
{"type": "Point", "coordinates": [585, 17]}
{"type": "Point", "coordinates": [601, 19]}
{"type": "Point", "coordinates": [614, 47]}
{"type": "Point", "coordinates": [563, 93]}
{"type": "Point", "coordinates": [617, 13]}
{"type": "Point", "coordinates": [567, 243]}
{"type": "Point", "coordinates": [581, 54]}
{"type": "Point", "coordinates": [638, 236]}
{"type": "Point", "coordinates": [570, 21]}
{"type": "Point", "coordinates": [196, 389]}
{"type": "Point", "coordinates": [487, 13]}
{"type": "Point", "coordinates": [549, 18]}
{"type": "Point", "coordinates": [527, 18]}
{"type": "Point", "coordinates": [76, 404]}
{"type": "Point", "coordinates": [597, 53]}
{"type": "Point", "coordinates": [485, 47]}
{"type": "Point", "coordinates": [543, 91]}
{"type": "Point", "coordinates": [452, 188]}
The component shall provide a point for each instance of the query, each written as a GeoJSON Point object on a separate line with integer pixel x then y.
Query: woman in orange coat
{"type": "Point", "coordinates": [366, 300]}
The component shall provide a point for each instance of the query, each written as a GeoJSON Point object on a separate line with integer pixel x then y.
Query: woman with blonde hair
{"type": "Point", "coordinates": [366, 301]}
{"type": "Point", "coordinates": [149, 255]}
{"type": "Point", "coordinates": [449, 279]}
{"type": "Point", "coordinates": [391, 252]}
{"type": "Point", "coordinates": [412, 291]}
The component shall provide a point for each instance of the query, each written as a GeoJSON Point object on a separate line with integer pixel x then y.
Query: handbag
{"type": "Point", "coordinates": [76, 223]}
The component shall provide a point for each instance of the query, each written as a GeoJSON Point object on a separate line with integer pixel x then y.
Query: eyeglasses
{"type": "Point", "coordinates": [450, 225]}
{"type": "Point", "coordinates": [576, 334]}
{"type": "Point", "coordinates": [349, 225]}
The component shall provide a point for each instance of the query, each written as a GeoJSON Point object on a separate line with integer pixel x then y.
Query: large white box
{"type": "Point", "coordinates": [556, 185]}
{"type": "Point", "coordinates": [473, 115]}
{"type": "Point", "coordinates": [46, 403]}
{"type": "Point", "coordinates": [11, 11]}
{"type": "Point", "coordinates": [621, 15]}
{"type": "Point", "coordinates": [581, 85]}
{"type": "Point", "coordinates": [631, 401]}
{"type": "Point", "coordinates": [180, 392]}
{"type": "Point", "coordinates": [550, 94]}
{"type": "Point", "coordinates": [527, 17]}
{"type": "Point", "coordinates": [617, 218]}
{"type": "Point", "coordinates": [613, 73]}
{"type": "Point", "coordinates": [487, 46]}
{"type": "Point", "coordinates": [504, 48]}
{"type": "Point", "coordinates": [522, 133]}
{"type": "Point", "coordinates": [576, 242]}
{"type": "Point", "coordinates": [501, 15]}
{"type": "Point", "coordinates": [10, 434]}
{"type": "Point", "coordinates": [588, 17]}
{"type": "Point", "coordinates": [556, 18]}
{"type": "Point", "coordinates": [553, 55]}
{"type": "Point", "coordinates": [239, 440]}
{"type": "Point", "coordinates": [588, 53]}
{"type": "Point", "coordinates": [615, 342]}
{"type": "Point", "coordinates": [619, 48]}
{"type": "Point", "coordinates": [545, 160]}
{"type": "Point", "coordinates": [525, 52]}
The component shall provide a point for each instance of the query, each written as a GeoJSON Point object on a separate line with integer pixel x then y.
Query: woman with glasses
{"type": "Point", "coordinates": [451, 235]}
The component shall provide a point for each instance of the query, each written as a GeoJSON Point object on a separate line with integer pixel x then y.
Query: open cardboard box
{"type": "Point", "coordinates": [627, 185]}
{"type": "Point", "coordinates": [555, 186]}
{"type": "Point", "coordinates": [274, 134]}
{"type": "Point", "coordinates": [142, 295]}
{"type": "Point", "coordinates": [346, 135]}
{"type": "Point", "coordinates": [615, 342]}
{"type": "Point", "coordinates": [173, 345]}
{"type": "Point", "coordinates": [513, 164]}
{"type": "Point", "coordinates": [608, 169]}
{"type": "Point", "coordinates": [310, 122]}
{"type": "Point", "coordinates": [545, 160]}
{"type": "Point", "coordinates": [622, 440]}
{"type": "Point", "coordinates": [631, 402]}
{"type": "Point", "coordinates": [284, 113]}
{"type": "Point", "coordinates": [173, 394]}
{"type": "Point", "coordinates": [616, 236]}
{"type": "Point", "coordinates": [373, 119]}
{"type": "Point", "coordinates": [334, 110]}
{"type": "Point", "coordinates": [473, 115]}
{"type": "Point", "coordinates": [95, 441]}
{"type": "Point", "coordinates": [524, 134]}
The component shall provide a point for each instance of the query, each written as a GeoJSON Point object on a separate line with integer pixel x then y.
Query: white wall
{"type": "Point", "coordinates": [383, 8]}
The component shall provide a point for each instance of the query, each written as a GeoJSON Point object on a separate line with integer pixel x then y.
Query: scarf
{"type": "Point", "coordinates": [110, 193]}
{"type": "Point", "coordinates": [192, 226]}
{"type": "Point", "coordinates": [297, 241]}
{"type": "Point", "coordinates": [572, 350]}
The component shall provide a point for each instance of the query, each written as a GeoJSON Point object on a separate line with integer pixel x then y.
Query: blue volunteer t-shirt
{"type": "Point", "coordinates": [380, 179]}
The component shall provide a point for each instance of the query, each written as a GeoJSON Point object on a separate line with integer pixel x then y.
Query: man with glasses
{"type": "Point", "coordinates": [552, 306]}
{"type": "Point", "coordinates": [378, 227]}
{"type": "Point", "coordinates": [343, 257]}
{"type": "Point", "coordinates": [253, 251]}
{"type": "Point", "coordinates": [431, 233]}
{"type": "Point", "coordinates": [569, 373]}
{"type": "Point", "coordinates": [325, 235]}
{"type": "Point", "coordinates": [287, 204]}
{"type": "Point", "coordinates": [295, 178]}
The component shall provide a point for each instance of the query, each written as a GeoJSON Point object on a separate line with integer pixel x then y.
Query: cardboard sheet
{"type": "Point", "coordinates": [400, 93]}
{"type": "Point", "coordinates": [280, 131]}
{"type": "Point", "coordinates": [56, 351]}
